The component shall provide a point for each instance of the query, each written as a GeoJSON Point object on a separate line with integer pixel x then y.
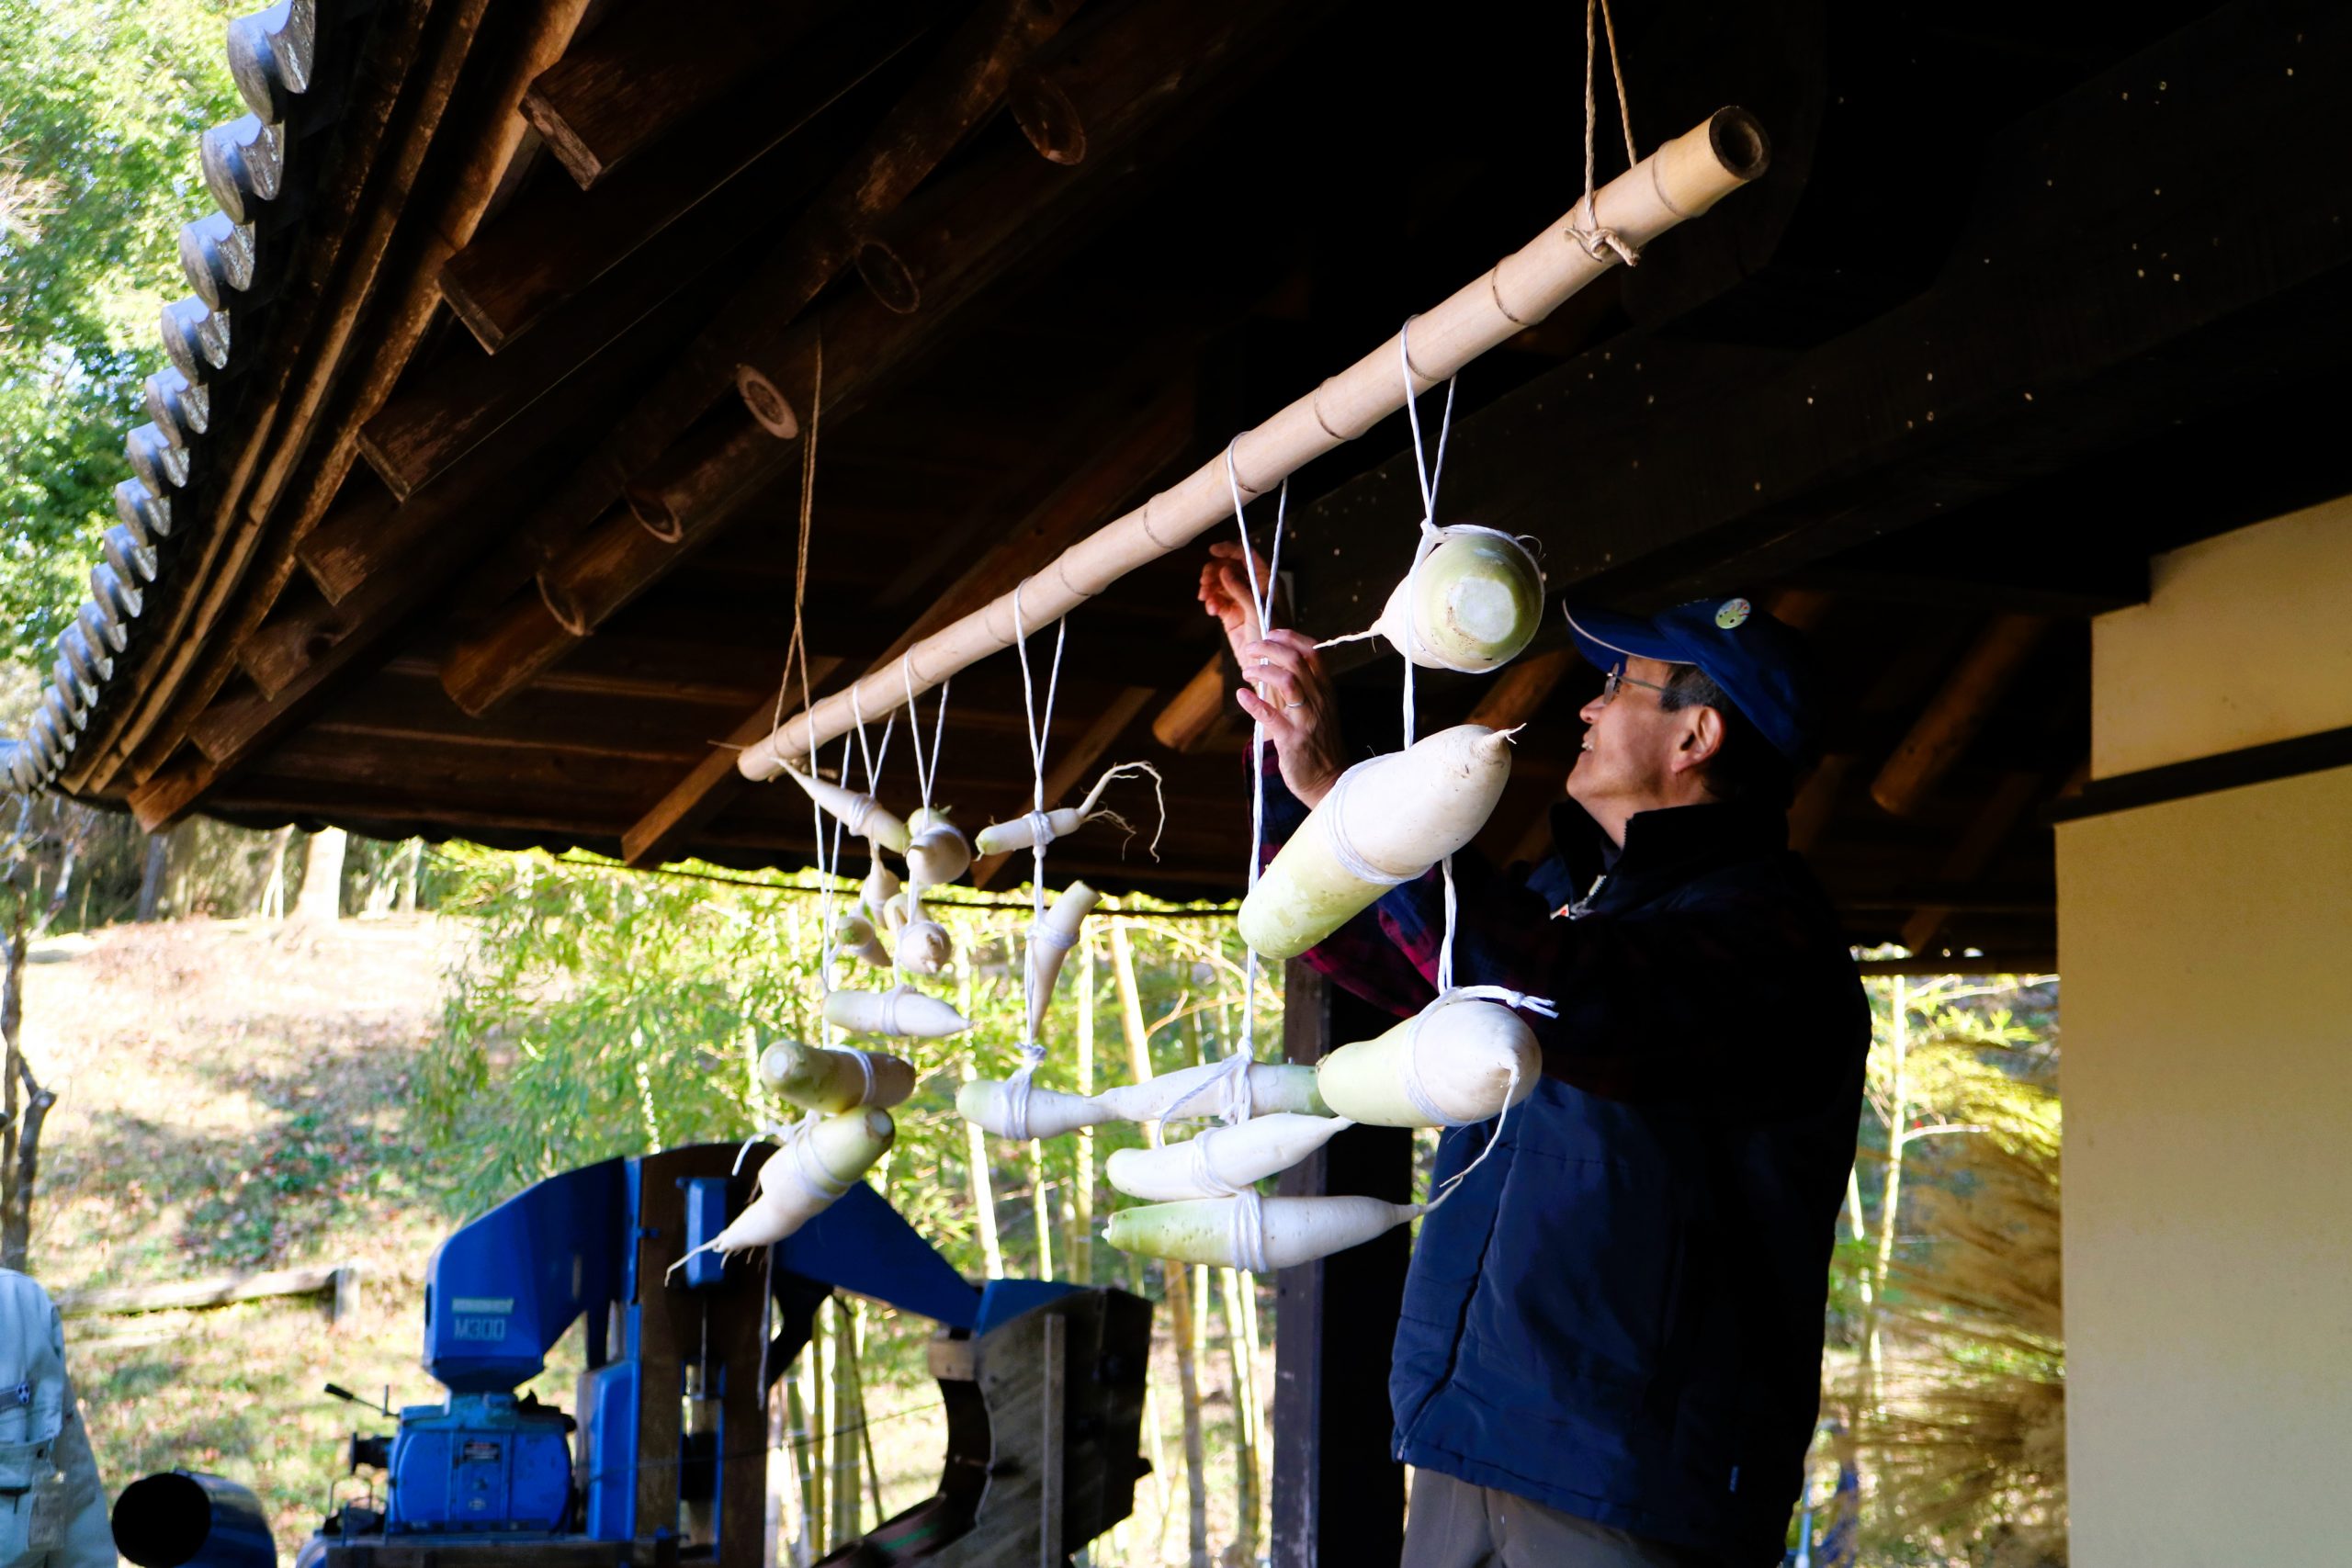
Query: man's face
{"type": "Point", "coordinates": [1630, 745]}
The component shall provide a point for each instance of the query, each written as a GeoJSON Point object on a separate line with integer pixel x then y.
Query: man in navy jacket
{"type": "Point", "coordinates": [1610, 1348]}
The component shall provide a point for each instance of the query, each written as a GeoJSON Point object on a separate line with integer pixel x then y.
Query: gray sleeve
{"type": "Point", "coordinates": [88, 1540]}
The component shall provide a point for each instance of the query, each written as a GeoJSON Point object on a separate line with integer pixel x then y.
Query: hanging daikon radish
{"type": "Point", "coordinates": [894, 911]}
{"type": "Point", "coordinates": [1020, 832]}
{"type": "Point", "coordinates": [861, 814]}
{"type": "Point", "coordinates": [1216, 1230]}
{"type": "Point", "coordinates": [1459, 1061]}
{"type": "Point", "coordinates": [1187, 1094]}
{"type": "Point", "coordinates": [831, 1079]}
{"type": "Point", "coordinates": [1050, 943]}
{"type": "Point", "coordinates": [881, 885]}
{"type": "Point", "coordinates": [853, 934]}
{"type": "Point", "coordinates": [903, 1012]}
{"type": "Point", "coordinates": [1215, 1162]}
{"type": "Point", "coordinates": [925, 946]}
{"type": "Point", "coordinates": [937, 852]}
{"type": "Point", "coordinates": [1478, 600]}
{"type": "Point", "coordinates": [801, 1179]}
{"type": "Point", "coordinates": [1388, 820]}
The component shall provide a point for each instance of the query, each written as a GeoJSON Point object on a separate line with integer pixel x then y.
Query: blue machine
{"type": "Point", "coordinates": [669, 1443]}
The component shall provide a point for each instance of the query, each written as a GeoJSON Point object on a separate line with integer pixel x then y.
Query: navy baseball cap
{"type": "Point", "coordinates": [1762, 663]}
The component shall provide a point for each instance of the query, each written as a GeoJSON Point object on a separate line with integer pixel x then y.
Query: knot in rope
{"type": "Point", "coordinates": [1246, 1223]}
{"type": "Point", "coordinates": [1599, 240]}
{"type": "Point", "coordinates": [1041, 829]}
{"type": "Point", "coordinates": [1016, 1091]}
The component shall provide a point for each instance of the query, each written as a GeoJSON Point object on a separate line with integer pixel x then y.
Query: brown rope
{"type": "Point", "coordinates": [799, 645]}
{"type": "Point", "coordinates": [1595, 239]}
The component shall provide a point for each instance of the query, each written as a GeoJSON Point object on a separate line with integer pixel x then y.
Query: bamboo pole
{"type": "Point", "coordinates": [1681, 180]}
{"type": "Point", "coordinates": [847, 1398]}
{"type": "Point", "coordinates": [1081, 1230]}
{"type": "Point", "coordinates": [1183, 1322]}
{"type": "Point", "coordinates": [1041, 1208]}
{"type": "Point", "coordinates": [804, 1489]}
{"type": "Point", "coordinates": [1246, 1415]}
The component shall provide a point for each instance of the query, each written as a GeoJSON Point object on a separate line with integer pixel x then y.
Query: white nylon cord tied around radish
{"type": "Point", "coordinates": [1033, 1050]}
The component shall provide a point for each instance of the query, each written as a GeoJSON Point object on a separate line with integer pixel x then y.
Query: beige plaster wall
{"type": "Point", "coordinates": [2246, 639]}
{"type": "Point", "coordinates": [2206, 946]}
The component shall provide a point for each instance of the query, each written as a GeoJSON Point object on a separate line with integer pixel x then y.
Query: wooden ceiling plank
{"type": "Point", "coordinates": [1073, 770]}
{"type": "Point", "coordinates": [1200, 706]}
{"type": "Point", "coordinates": [648, 68]}
{"type": "Point", "coordinates": [728, 167]}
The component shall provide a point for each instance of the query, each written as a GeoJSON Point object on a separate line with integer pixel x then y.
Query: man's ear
{"type": "Point", "coordinates": [1701, 740]}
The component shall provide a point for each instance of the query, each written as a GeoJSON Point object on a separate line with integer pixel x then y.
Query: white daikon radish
{"type": "Point", "coordinates": [1478, 599]}
{"type": "Point", "coordinates": [831, 1079]}
{"type": "Point", "coordinates": [902, 1011]}
{"type": "Point", "coordinates": [881, 885]}
{"type": "Point", "coordinates": [1189, 1094]}
{"type": "Point", "coordinates": [924, 947]}
{"type": "Point", "coordinates": [853, 934]}
{"type": "Point", "coordinates": [1218, 1230]}
{"type": "Point", "coordinates": [894, 911]}
{"type": "Point", "coordinates": [1460, 1061]}
{"type": "Point", "coordinates": [1217, 1161]}
{"type": "Point", "coordinates": [861, 814]}
{"type": "Point", "coordinates": [937, 851]}
{"type": "Point", "coordinates": [1388, 820]}
{"type": "Point", "coordinates": [1050, 943]}
{"type": "Point", "coordinates": [801, 1179]}
{"type": "Point", "coordinates": [1020, 832]}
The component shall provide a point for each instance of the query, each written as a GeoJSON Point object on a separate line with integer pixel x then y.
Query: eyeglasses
{"type": "Point", "coordinates": [1618, 677]}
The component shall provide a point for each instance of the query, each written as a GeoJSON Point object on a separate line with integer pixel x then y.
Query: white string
{"type": "Point", "coordinates": [924, 771]}
{"type": "Point", "coordinates": [1261, 604]}
{"type": "Point", "coordinates": [1426, 474]}
{"type": "Point", "coordinates": [1033, 1050]}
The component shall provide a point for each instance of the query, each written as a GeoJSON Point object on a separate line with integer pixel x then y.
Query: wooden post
{"type": "Point", "coordinates": [1339, 1497]}
{"type": "Point", "coordinates": [1958, 712]}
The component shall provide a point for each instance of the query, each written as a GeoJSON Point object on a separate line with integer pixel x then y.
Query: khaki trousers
{"type": "Point", "coordinates": [1455, 1524]}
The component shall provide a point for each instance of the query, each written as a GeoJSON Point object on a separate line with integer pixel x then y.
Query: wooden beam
{"type": "Point", "coordinates": [650, 68]}
{"type": "Point", "coordinates": [1073, 770]}
{"type": "Point", "coordinates": [1199, 706]}
{"type": "Point", "coordinates": [2001, 811]}
{"type": "Point", "coordinates": [1941, 734]}
{"type": "Point", "coordinates": [1522, 690]}
{"type": "Point", "coordinates": [961, 88]}
{"type": "Point", "coordinates": [965, 236]}
{"type": "Point", "coordinates": [730, 166]}
{"type": "Point", "coordinates": [1817, 801]}
{"type": "Point", "coordinates": [1121, 453]}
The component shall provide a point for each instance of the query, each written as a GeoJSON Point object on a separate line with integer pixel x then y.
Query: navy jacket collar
{"type": "Point", "coordinates": [1662, 848]}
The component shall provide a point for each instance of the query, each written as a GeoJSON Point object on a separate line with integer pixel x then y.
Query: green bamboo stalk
{"type": "Point", "coordinates": [845, 1486]}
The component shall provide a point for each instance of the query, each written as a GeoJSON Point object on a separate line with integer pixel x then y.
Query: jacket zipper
{"type": "Point", "coordinates": [1582, 906]}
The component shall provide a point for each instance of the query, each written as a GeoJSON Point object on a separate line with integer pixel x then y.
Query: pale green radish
{"type": "Point", "coordinates": [1020, 832]}
{"type": "Point", "coordinates": [1459, 1060]}
{"type": "Point", "coordinates": [1051, 940]}
{"type": "Point", "coordinates": [861, 814]}
{"type": "Point", "coordinates": [817, 1164]}
{"type": "Point", "coordinates": [1477, 600]}
{"type": "Point", "coordinates": [902, 1012]}
{"type": "Point", "coordinates": [853, 934]}
{"type": "Point", "coordinates": [924, 947]}
{"type": "Point", "coordinates": [1215, 1162]}
{"type": "Point", "coordinates": [896, 910]}
{"type": "Point", "coordinates": [1218, 1230]}
{"type": "Point", "coordinates": [1388, 820]}
{"type": "Point", "coordinates": [1187, 1094]}
{"type": "Point", "coordinates": [831, 1079]}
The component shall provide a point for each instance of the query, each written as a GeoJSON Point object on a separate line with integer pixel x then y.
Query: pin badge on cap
{"type": "Point", "coordinates": [1732, 614]}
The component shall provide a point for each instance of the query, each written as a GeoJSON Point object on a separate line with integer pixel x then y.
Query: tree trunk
{"type": "Point", "coordinates": [272, 904]}
{"type": "Point", "coordinates": [150, 881]}
{"type": "Point", "coordinates": [20, 1150]}
{"type": "Point", "coordinates": [1177, 1287]}
{"type": "Point", "coordinates": [847, 1416]}
{"type": "Point", "coordinates": [408, 875]}
{"type": "Point", "coordinates": [321, 895]}
{"type": "Point", "coordinates": [1041, 1208]}
{"type": "Point", "coordinates": [804, 1544]}
{"type": "Point", "coordinates": [1244, 1416]}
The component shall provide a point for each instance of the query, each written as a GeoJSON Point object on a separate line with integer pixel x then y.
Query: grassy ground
{"type": "Point", "coordinates": [235, 1096]}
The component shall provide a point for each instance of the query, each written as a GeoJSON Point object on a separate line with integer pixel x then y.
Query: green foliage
{"type": "Point", "coordinates": [101, 104]}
